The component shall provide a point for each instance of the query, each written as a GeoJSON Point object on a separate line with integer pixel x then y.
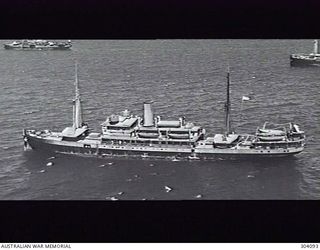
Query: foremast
{"type": "Point", "coordinates": [77, 110]}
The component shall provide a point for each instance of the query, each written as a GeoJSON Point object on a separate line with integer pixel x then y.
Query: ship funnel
{"type": "Point", "coordinates": [147, 115]}
{"type": "Point", "coordinates": [315, 47]}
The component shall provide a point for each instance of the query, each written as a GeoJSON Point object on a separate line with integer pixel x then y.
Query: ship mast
{"type": "Point", "coordinates": [315, 47]}
{"type": "Point", "coordinates": [77, 112]}
{"type": "Point", "coordinates": [227, 105]}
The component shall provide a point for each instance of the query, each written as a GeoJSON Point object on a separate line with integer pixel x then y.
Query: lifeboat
{"type": "Point", "coordinates": [270, 132]}
{"type": "Point", "coordinates": [271, 135]}
{"type": "Point", "coordinates": [271, 138]}
{"type": "Point", "coordinates": [148, 135]}
{"type": "Point", "coordinates": [178, 136]}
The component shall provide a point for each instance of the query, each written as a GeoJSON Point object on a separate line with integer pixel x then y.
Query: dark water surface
{"type": "Point", "coordinates": [182, 77]}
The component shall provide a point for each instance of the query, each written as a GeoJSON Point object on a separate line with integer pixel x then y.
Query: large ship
{"type": "Point", "coordinates": [151, 136]}
{"type": "Point", "coordinates": [312, 59]}
{"type": "Point", "coordinates": [38, 45]}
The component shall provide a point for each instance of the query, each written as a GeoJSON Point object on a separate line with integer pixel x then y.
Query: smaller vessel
{"type": "Point", "coordinates": [303, 60]}
{"type": "Point", "coordinates": [38, 45]}
{"type": "Point", "coordinates": [245, 98]}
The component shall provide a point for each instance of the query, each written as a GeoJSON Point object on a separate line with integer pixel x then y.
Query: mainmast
{"type": "Point", "coordinates": [315, 47]}
{"type": "Point", "coordinates": [227, 105]}
{"type": "Point", "coordinates": [77, 113]}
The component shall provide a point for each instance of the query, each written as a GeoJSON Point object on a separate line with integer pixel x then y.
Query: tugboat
{"type": "Point", "coordinates": [148, 136]}
{"type": "Point", "coordinates": [303, 60]}
{"type": "Point", "coordinates": [38, 45]}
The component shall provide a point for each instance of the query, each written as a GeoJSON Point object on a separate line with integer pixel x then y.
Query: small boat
{"type": "Point", "coordinates": [303, 60]}
{"type": "Point", "coordinates": [246, 98]}
{"type": "Point", "coordinates": [148, 135]}
{"type": "Point", "coordinates": [38, 45]}
{"type": "Point", "coordinates": [271, 138]}
{"type": "Point", "coordinates": [270, 132]}
{"type": "Point", "coordinates": [271, 135]}
{"type": "Point", "coordinates": [178, 136]}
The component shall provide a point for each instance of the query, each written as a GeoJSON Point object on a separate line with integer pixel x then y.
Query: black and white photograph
{"type": "Point", "coordinates": [159, 121]}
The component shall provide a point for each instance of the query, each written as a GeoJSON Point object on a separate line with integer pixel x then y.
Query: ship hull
{"type": "Point", "coordinates": [108, 150]}
{"type": "Point", "coordinates": [303, 62]}
{"type": "Point", "coordinates": [248, 155]}
{"type": "Point", "coordinates": [148, 151]}
{"type": "Point", "coordinates": [9, 47]}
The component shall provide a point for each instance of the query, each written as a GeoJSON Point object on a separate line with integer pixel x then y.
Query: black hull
{"type": "Point", "coordinates": [302, 62]}
{"type": "Point", "coordinates": [41, 145]}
